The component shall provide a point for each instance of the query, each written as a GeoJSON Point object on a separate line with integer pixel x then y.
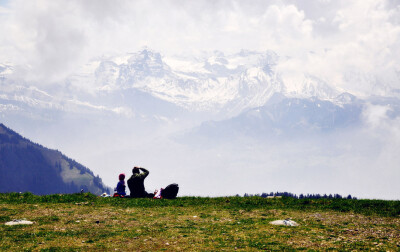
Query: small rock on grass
{"type": "Point", "coordinates": [19, 222]}
{"type": "Point", "coordinates": [287, 222]}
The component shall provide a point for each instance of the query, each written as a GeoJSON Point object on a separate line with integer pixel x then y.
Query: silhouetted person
{"type": "Point", "coordinates": [136, 183]}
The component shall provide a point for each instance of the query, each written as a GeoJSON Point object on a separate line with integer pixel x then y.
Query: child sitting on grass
{"type": "Point", "coordinates": [120, 186]}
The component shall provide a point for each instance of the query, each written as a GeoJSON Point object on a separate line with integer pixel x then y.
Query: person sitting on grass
{"type": "Point", "coordinates": [136, 183]}
{"type": "Point", "coordinates": [121, 186]}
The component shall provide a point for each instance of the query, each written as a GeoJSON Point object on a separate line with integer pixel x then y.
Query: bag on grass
{"type": "Point", "coordinates": [170, 191]}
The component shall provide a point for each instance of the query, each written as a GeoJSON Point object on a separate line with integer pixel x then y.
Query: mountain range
{"type": "Point", "coordinates": [148, 87]}
{"type": "Point", "coordinates": [118, 109]}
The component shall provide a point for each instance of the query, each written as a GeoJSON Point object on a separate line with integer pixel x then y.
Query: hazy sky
{"type": "Point", "coordinates": [350, 44]}
{"type": "Point", "coordinates": [346, 43]}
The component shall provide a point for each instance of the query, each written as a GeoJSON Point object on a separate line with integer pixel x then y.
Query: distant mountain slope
{"type": "Point", "coordinates": [283, 116]}
{"type": "Point", "coordinates": [27, 166]}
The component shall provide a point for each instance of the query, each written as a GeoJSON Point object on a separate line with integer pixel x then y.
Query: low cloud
{"type": "Point", "coordinates": [360, 161]}
{"type": "Point", "coordinates": [375, 116]}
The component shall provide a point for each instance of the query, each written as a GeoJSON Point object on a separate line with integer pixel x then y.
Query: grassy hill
{"type": "Point", "coordinates": [27, 166]}
{"type": "Point", "coordinates": [81, 222]}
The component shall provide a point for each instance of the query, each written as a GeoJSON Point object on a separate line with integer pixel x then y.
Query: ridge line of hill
{"type": "Point", "coordinates": [29, 166]}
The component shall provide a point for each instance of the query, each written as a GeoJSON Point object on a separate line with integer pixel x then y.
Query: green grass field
{"type": "Point", "coordinates": [81, 222]}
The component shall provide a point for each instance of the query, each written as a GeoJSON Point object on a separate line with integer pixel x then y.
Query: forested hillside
{"type": "Point", "coordinates": [27, 166]}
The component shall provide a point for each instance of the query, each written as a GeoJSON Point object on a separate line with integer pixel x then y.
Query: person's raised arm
{"type": "Point", "coordinates": [145, 172]}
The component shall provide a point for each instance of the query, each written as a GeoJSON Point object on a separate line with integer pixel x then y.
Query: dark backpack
{"type": "Point", "coordinates": [170, 191]}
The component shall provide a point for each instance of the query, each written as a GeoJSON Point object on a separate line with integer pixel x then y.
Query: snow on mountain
{"type": "Point", "coordinates": [311, 86]}
{"type": "Point", "coordinates": [29, 96]}
{"type": "Point", "coordinates": [5, 69]}
{"type": "Point", "coordinates": [25, 98]}
{"type": "Point", "coordinates": [106, 75]}
{"type": "Point", "coordinates": [211, 82]}
{"type": "Point", "coordinates": [215, 83]}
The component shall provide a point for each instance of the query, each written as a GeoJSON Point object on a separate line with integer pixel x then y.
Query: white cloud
{"type": "Point", "coordinates": [56, 38]}
{"type": "Point", "coordinates": [375, 115]}
{"type": "Point", "coordinates": [365, 43]}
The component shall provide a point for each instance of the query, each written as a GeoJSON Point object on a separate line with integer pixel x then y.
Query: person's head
{"type": "Point", "coordinates": [135, 170]}
{"type": "Point", "coordinates": [121, 176]}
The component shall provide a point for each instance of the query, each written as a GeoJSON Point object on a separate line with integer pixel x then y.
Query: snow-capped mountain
{"type": "Point", "coordinates": [147, 85]}
{"type": "Point", "coordinates": [209, 83]}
